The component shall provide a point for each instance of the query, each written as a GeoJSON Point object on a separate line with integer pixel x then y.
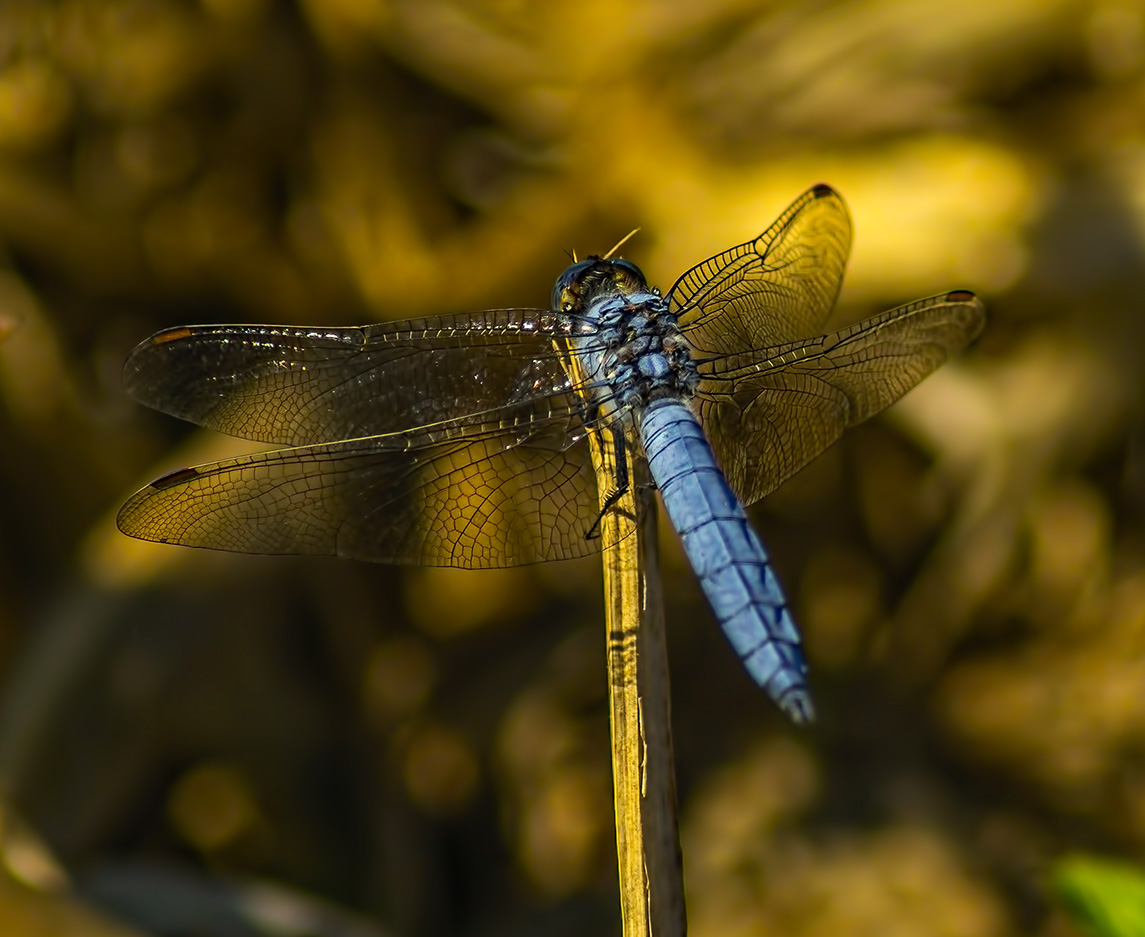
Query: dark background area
{"type": "Point", "coordinates": [429, 748]}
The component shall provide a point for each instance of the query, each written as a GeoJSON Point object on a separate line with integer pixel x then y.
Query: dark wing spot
{"type": "Point", "coordinates": [170, 335]}
{"type": "Point", "coordinates": [177, 477]}
{"type": "Point", "coordinates": [959, 296]}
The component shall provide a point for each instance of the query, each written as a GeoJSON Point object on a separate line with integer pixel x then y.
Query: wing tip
{"type": "Point", "coordinates": [974, 311]}
{"type": "Point", "coordinates": [822, 190]}
{"type": "Point", "coordinates": [130, 521]}
{"type": "Point", "coordinates": [143, 359]}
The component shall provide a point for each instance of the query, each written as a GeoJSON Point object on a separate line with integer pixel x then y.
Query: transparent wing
{"type": "Point", "coordinates": [471, 493]}
{"type": "Point", "coordinates": [299, 386]}
{"type": "Point", "coordinates": [768, 414]}
{"type": "Point", "coordinates": [777, 288]}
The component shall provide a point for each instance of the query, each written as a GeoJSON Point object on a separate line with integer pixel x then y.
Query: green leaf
{"type": "Point", "coordinates": [1106, 898]}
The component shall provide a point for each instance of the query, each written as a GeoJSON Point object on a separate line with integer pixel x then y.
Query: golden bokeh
{"type": "Point", "coordinates": [430, 747]}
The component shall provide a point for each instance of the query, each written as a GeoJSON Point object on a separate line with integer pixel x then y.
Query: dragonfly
{"type": "Point", "coordinates": [462, 440]}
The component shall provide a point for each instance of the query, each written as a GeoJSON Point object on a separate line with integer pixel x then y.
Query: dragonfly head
{"type": "Point", "coordinates": [596, 278]}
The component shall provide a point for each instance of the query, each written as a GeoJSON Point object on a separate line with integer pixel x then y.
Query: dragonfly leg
{"type": "Point", "coordinates": [621, 488]}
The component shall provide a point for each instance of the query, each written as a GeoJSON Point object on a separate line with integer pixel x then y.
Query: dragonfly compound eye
{"type": "Point", "coordinates": [566, 289]}
{"type": "Point", "coordinates": [628, 276]}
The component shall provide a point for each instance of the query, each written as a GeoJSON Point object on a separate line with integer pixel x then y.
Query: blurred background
{"type": "Point", "coordinates": [196, 742]}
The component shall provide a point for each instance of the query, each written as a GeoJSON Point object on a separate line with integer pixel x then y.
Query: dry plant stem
{"type": "Point", "coordinates": [648, 851]}
{"type": "Point", "coordinates": [662, 858]}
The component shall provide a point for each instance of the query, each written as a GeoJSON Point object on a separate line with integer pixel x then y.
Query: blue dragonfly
{"type": "Point", "coordinates": [461, 440]}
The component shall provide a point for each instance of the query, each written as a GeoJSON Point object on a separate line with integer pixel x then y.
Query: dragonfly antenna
{"type": "Point", "coordinates": [624, 240]}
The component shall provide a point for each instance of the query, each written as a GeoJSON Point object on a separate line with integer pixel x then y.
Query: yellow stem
{"type": "Point", "coordinates": [648, 851]}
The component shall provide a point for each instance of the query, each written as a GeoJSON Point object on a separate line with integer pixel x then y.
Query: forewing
{"type": "Point", "coordinates": [466, 495]}
{"type": "Point", "coordinates": [777, 288]}
{"type": "Point", "coordinates": [299, 386]}
{"type": "Point", "coordinates": [769, 414]}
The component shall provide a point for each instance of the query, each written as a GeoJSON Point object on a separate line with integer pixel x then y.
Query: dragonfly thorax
{"type": "Point", "coordinates": [631, 349]}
